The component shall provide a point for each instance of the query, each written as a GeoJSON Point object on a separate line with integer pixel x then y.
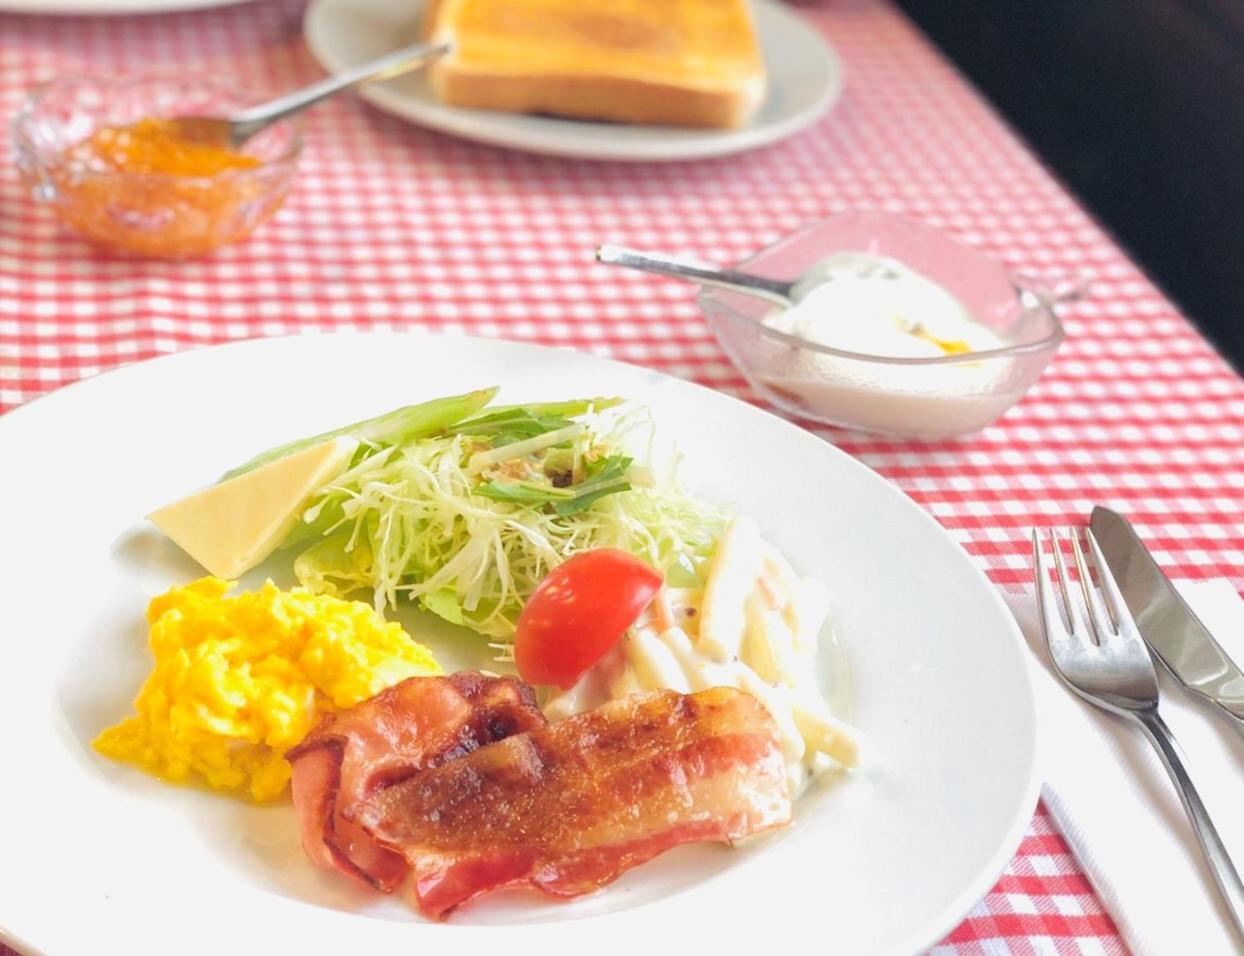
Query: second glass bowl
{"type": "Point", "coordinates": [152, 214]}
{"type": "Point", "coordinates": [923, 398]}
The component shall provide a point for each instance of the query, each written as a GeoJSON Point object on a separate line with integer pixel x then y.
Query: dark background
{"type": "Point", "coordinates": [1139, 106]}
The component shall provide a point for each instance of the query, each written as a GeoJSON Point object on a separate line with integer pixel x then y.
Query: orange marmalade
{"type": "Point", "coordinates": [156, 146]}
{"type": "Point", "coordinates": [145, 189]}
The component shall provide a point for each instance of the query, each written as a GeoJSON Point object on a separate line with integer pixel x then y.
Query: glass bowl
{"type": "Point", "coordinates": [923, 398]}
{"type": "Point", "coordinates": [153, 214]}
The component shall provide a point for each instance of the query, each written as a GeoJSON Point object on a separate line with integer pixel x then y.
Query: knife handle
{"type": "Point", "coordinates": [1225, 873]}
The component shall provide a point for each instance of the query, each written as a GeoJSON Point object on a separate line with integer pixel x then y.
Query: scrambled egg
{"type": "Point", "coordinates": [240, 680]}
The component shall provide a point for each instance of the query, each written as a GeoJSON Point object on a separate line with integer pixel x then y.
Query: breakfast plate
{"type": "Point", "coordinates": [805, 80]}
{"type": "Point", "coordinates": [927, 663]}
{"type": "Point", "coordinates": [91, 8]}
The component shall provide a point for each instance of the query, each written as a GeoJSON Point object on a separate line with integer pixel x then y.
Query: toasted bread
{"type": "Point", "coordinates": [673, 62]}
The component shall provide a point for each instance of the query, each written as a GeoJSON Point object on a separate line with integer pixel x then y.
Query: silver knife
{"type": "Point", "coordinates": [1166, 622]}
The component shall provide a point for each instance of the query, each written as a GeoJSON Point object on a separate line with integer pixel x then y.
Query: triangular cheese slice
{"type": "Point", "coordinates": [231, 527]}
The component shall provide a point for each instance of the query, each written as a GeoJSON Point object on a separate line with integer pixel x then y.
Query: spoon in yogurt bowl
{"type": "Point", "coordinates": [784, 292]}
{"type": "Point", "coordinates": [874, 322]}
{"type": "Point", "coordinates": [779, 291]}
{"type": "Point", "coordinates": [854, 301]}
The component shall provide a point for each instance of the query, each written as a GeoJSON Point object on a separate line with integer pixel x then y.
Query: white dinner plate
{"type": "Point", "coordinates": [90, 8]}
{"type": "Point", "coordinates": [805, 79]}
{"type": "Point", "coordinates": [98, 857]}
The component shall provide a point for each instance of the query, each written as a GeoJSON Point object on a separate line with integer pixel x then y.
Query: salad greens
{"type": "Point", "coordinates": [463, 510]}
{"type": "Point", "coordinates": [605, 476]}
{"type": "Point", "coordinates": [394, 428]}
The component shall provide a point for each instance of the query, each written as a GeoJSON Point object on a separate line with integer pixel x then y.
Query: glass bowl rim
{"type": "Point", "coordinates": [34, 97]}
{"type": "Point", "coordinates": [709, 301]}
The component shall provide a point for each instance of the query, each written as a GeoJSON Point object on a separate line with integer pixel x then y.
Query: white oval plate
{"type": "Point", "coordinates": [97, 856]}
{"type": "Point", "coordinates": [99, 8]}
{"type": "Point", "coordinates": [805, 79]}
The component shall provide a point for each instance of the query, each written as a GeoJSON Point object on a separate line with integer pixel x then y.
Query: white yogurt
{"type": "Point", "coordinates": [878, 306]}
{"type": "Point", "coordinates": [875, 306]}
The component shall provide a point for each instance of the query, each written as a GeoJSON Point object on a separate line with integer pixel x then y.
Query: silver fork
{"type": "Point", "coordinates": [1105, 661]}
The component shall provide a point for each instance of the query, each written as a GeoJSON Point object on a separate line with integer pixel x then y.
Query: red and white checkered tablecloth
{"type": "Point", "coordinates": [393, 227]}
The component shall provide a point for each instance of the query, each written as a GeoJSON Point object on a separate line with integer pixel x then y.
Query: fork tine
{"type": "Point", "coordinates": [1103, 626]}
{"type": "Point", "coordinates": [1110, 590]}
{"type": "Point", "coordinates": [1045, 594]}
{"type": "Point", "coordinates": [1057, 638]}
{"type": "Point", "coordinates": [1079, 626]}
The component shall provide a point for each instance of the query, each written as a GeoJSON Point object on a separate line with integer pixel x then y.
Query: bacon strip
{"type": "Point", "coordinates": [418, 724]}
{"type": "Point", "coordinates": [571, 806]}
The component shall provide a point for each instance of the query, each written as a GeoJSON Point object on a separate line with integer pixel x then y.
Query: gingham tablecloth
{"type": "Point", "coordinates": [393, 227]}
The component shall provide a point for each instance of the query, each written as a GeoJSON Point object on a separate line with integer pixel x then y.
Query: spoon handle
{"type": "Point", "coordinates": [250, 121]}
{"type": "Point", "coordinates": [775, 290]}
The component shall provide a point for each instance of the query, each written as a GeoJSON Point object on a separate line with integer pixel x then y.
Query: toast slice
{"type": "Point", "coordinates": [672, 62]}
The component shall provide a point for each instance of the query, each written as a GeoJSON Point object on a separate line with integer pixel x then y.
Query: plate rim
{"type": "Point", "coordinates": [473, 125]}
{"type": "Point", "coordinates": [114, 8]}
{"type": "Point", "coordinates": [953, 913]}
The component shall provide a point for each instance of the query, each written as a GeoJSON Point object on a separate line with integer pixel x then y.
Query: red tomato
{"type": "Point", "coordinates": [578, 612]}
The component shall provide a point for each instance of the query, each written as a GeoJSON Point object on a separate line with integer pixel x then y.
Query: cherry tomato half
{"type": "Point", "coordinates": [578, 612]}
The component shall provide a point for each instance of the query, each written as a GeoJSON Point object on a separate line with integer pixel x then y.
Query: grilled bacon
{"type": "Point", "coordinates": [418, 724]}
{"type": "Point", "coordinates": [569, 807]}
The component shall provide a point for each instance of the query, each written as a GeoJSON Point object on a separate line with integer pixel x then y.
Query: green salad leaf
{"type": "Point", "coordinates": [464, 517]}
{"type": "Point", "coordinates": [397, 427]}
{"type": "Point", "coordinates": [604, 477]}
{"type": "Point", "coordinates": [513, 425]}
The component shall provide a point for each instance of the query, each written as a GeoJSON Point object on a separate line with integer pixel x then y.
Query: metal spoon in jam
{"type": "Point", "coordinates": [233, 131]}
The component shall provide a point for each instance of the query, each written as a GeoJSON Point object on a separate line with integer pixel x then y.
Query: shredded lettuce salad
{"type": "Point", "coordinates": [463, 509]}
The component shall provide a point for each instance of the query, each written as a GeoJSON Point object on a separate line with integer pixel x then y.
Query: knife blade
{"type": "Point", "coordinates": [1165, 621]}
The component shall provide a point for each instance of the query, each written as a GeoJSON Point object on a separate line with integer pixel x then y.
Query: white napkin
{"type": "Point", "coordinates": [1118, 809]}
